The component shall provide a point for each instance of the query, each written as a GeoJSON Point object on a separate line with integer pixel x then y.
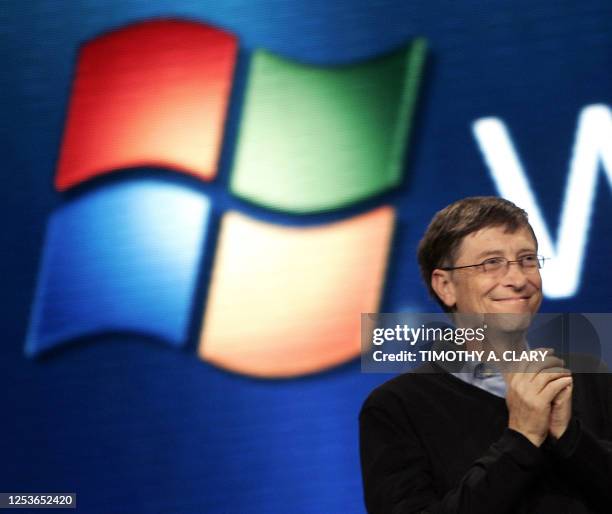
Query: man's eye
{"type": "Point", "coordinates": [529, 259]}
{"type": "Point", "coordinates": [494, 261]}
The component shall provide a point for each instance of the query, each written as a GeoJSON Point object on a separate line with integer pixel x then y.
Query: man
{"type": "Point", "coordinates": [536, 441]}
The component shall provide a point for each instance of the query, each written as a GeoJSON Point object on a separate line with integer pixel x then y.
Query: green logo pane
{"type": "Point", "coordinates": [314, 139]}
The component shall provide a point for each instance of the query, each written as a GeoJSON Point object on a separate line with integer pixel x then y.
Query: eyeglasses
{"type": "Point", "coordinates": [496, 265]}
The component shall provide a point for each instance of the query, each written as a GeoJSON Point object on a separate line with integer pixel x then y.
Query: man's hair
{"type": "Point", "coordinates": [451, 225]}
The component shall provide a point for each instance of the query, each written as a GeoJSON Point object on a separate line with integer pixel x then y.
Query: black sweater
{"type": "Point", "coordinates": [431, 443]}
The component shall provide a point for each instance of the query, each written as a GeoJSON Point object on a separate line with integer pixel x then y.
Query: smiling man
{"type": "Point", "coordinates": [535, 439]}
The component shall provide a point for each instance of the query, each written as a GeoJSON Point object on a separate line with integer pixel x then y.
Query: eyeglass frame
{"type": "Point", "coordinates": [540, 263]}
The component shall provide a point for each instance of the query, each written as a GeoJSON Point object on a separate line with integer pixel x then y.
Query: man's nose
{"type": "Point", "coordinates": [515, 275]}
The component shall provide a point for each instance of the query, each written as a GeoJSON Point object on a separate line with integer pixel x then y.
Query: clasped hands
{"type": "Point", "coordinates": [539, 399]}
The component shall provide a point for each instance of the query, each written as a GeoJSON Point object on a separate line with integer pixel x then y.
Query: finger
{"type": "Point", "coordinates": [564, 396]}
{"type": "Point", "coordinates": [544, 377]}
{"type": "Point", "coordinates": [554, 387]}
{"type": "Point", "coordinates": [528, 371]}
{"type": "Point", "coordinates": [550, 361]}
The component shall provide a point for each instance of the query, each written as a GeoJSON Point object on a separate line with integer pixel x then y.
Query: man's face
{"type": "Point", "coordinates": [472, 290]}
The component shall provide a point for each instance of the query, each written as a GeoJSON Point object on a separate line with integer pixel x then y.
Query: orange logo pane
{"type": "Point", "coordinates": [285, 301]}
{"type": "Point", "coordinates": [152, 94]}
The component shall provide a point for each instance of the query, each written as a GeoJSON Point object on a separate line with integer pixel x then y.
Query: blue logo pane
{"type": "Point", "coordinates": [123, 258]}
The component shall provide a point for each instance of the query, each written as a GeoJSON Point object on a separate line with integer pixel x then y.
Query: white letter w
{"type": "Point", "coordinates": [592, 144]}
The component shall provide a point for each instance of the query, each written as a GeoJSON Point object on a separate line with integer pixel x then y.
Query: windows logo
{"type": "Point", "coordinates": [127, 252]}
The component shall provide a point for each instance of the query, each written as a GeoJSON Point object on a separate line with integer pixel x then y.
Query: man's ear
{"type": "Point", "coordinates": [444, 287]}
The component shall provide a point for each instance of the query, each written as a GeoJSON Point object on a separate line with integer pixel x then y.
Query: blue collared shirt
{"type": "Point", "coordinates": [484, 376]}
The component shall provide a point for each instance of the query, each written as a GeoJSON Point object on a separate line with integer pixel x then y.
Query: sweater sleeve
{"type": "Point", "coordinates": [587, 461]}
{"type": "Point", "coordinates": [397, 475]}
{"type": "Point", "coordinates": [585, 455]}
